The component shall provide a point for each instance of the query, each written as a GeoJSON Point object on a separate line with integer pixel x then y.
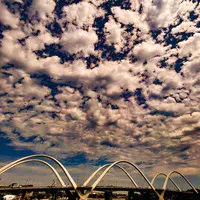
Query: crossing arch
{"type": "Point", "coordinates": [133, 165]}
{"type": "Point", "coordinates": [33, 158]}
{"type": "Point", "coordinates": [104, 166]}
{"type": "Point", "coordinates": [167, 180]}
{"type": "Point", "coordinates": [48, 157]}
{"type": "Point", "coordinates": [36, 160]}
{"type": "Point", "coordinates": [165, 175]}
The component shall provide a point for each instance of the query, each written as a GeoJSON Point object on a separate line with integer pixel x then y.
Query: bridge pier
{"type": "Point", "coordinates": [108, 195]}
{"type": "Point", "coordinates": [133, 196]}
{"type": "Point", "coordinates": [188, 197]}
{"type": "Point", "coordinates": [70, 195]}
{"type": "Point", "coordinates": [148, 195]}
{"type": "Point", "coordinates": [54, 194]}
{"type": "Point", "coordinates": [23, 195]}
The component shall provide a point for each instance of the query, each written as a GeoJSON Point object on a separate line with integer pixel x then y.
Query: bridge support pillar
{"type": "Point", "coordinates": [23, 195]}
{"type": "Point", "coordinates": [133, 196]}
{"type": "Point", "coordinates": [188, 197]}
{"type": "Point", "coordinates": [149, 195]}
{"type": "Point", "coordinates": [197, 196]}
{"type": "Point", "coordinates": [108, 195]}
{"type": "Point", "coordinates": [54, 195]}
{"type": "Point", "coordinates": [70, 195]}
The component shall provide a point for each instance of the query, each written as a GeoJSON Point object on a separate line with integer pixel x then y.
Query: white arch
{"type": "Point", "coordinates": [104, 166]}
{"type": "Point", "coordinates": [80, 194]}
{"type": "Point", "coordinates": [49, 157]}
{"type": "Point", "coordinates": [167, 179]}
{"type": "Point", "coordinates": [37, 160]}
{"type": "Point", "coordinates": [163, 174]}
{"type": "Point", "coordinates": [132, 164]}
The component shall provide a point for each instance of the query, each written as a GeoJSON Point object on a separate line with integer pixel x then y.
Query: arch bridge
{"type": "Point", "coordinates": [85, 190]}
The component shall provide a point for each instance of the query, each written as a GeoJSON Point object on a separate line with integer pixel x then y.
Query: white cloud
{"type": "Point", "coordinates": [170, 78]}
{"type": "Point", "coordinates": [130, 17]}
{"type": "Point", "coordinates": [82, 13]}
{"type": "Point", "coordinates": [135, 5]}
{"type": "Point", "coordinates": [185, 26]}
{"type": "Point", "coordinates": [114, 33]}
{"type": "Point", "coordinates": [78, 40]}
{"type": "Point", "coordinates": [37, 42]}
{"type": "Point", "coordinates": [161, 13]}
{"type": "Point", "coordinates": [7, 17]}
{"type": "Point", "coordinates": [148, 50]}
{"type": "Point", "coordinates": [192, 68]}
{"type": "Point", "coordinates": [190, 46]}
{"type": "Point", "coordinates": [190, 119]}
{"type": "Point", "coordinates": [125, 16]}
{"type": "Point", "coordinates": [43, 8]}
{"type": "Point", "coordinates": [177, 108]}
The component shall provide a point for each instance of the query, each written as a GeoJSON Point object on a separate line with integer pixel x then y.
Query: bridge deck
{"type": "Point", "coordinates": [98, 188]}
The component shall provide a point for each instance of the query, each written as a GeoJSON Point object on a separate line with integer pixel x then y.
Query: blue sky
{"type": "Point", "coordinates": [92, 82]}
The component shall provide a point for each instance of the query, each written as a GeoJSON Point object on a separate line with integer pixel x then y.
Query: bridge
{"type": "Point", "coordinates": [133, 193]}
{"type": "Point", "coordinates": [86, 190]}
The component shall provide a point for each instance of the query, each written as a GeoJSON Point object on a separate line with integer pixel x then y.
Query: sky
{"type": "Point", "coordinates": [95, 81]}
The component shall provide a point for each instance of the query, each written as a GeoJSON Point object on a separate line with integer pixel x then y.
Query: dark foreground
{"type": "Point", "coordinates": [107, 193]}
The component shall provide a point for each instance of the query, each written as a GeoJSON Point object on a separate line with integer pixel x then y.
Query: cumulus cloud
{"type": "Point", "coordinates": [170, 79]}
{"type": "Point", "coordinates": [7, 17]}
{"type": "Point", "coordinates": [190, 46]}
{"type": "Point", "coordinates": [37, 42]}
{"type": "Point", "coordinates": [114, 33]}
{"type": "Point", "coordinates": [43, 9]}
{"type": "Point", "coordinates": [82, 13]}
{"type": "Point", "coordinates": [78, 40]}
{"type": "Point", "coordinates": [162, 13]}
{"type": "Point", "coordinates": [148, 50]}
{"type": "Point", "coordinates": [125, 16]}
{"type": "Point", "coordinates": [129, 17]}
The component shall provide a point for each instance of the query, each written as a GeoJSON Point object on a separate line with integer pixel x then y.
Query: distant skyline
{"type": "Point", "coordinates": [92, 82]}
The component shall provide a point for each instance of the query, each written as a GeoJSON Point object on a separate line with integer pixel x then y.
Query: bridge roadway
{"type": "Point", "coordinates": [98, 188]}
{"type": "Point", "coordinates": [70, 190]}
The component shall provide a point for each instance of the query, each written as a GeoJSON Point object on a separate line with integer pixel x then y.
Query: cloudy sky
{"type": "Point", "coordinates": [95, 81]}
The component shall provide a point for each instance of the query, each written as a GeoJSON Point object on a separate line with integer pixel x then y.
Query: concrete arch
{"type": "Point", "coordinates": [37, 160]}
{"type": "Point", "coordinates": [104, 166]}
{"type": "Point", "coordinates": [163, 174]}
{"type": "Point", "coordinates": [167, 179]}
{"type": "Point", "coordinates": [133, 165]}
{"type": "Point", "coordinates": [48, 157]}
